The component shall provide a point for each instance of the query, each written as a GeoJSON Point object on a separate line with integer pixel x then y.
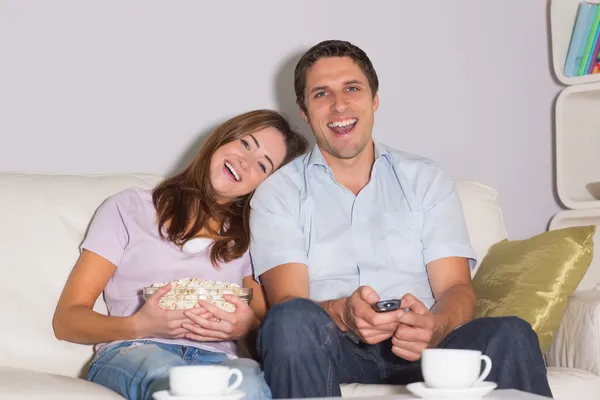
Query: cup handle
{"type": "Point", "coordinates": [486, 370]}
{"type": "Point", "coordinates": [238, 380]}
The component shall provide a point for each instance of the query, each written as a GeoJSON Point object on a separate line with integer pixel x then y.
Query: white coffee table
{"type": "Point", "coordinates": [510, 394]}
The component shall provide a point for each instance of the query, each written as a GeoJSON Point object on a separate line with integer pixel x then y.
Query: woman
{"type": "Point", "coordinates": [141, 237]}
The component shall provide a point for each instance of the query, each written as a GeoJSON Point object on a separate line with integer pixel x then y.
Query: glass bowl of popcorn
{"type": "Point", "coordinates": [186, 292]}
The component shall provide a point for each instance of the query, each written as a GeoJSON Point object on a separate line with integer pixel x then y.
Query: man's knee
{"type": "Point", "coordinates": [296, 325]}
{"type": "Point", "coordinates": [294, 317]}
{"type": "Point", "coordinates": [512, 332]}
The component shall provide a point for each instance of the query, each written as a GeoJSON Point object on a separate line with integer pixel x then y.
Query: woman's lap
{"type": "Point", "coordinates": [138, 369]}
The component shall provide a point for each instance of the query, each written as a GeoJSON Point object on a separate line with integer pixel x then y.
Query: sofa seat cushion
{"type": "Point", "coordinates": [571, 383]}
{"type": "Point", "coordinates": [363, 390]}
{"type": "Point", "coordinates": [22, 384]}
{"type": "Point", "coordinates": [565, 383]}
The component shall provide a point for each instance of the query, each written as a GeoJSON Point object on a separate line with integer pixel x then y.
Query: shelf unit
{"type": "Point", "coordinates": [577, 137]}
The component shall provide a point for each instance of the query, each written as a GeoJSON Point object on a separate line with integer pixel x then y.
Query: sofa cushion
{"type": "Point", "coordinates": [533, 278]}
{"type": "Point", "coordinates": [370, 390]}
{"type": "Point", "coordinates": [571, 383]}
{"type": "Point", "coordinates": [483, 217]}
{"type": "Point", "coordinates": [577, 342]}
{"type": "Point", "coordinates": [44, 218]}
{"type": "Point", "coordinates": [20, 384]}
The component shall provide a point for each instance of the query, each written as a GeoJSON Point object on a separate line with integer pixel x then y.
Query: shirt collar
{"type": "Point", "coordinates": [382, 152]}
{"type": "Point", "coordinates": [316, 157]}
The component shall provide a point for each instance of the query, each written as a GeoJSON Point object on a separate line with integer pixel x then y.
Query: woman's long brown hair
{"type": "Point", "coordinates": [188, 197]}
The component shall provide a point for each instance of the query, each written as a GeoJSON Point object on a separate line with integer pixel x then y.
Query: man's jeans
{"type": "Point", "coordinates": [304, 354]}
{"type": "Point", "coordinates": [137, 369]}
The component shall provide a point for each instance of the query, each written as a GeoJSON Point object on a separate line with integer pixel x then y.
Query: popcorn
{"type": "Point", "coordinates": [186, 292]}
{"type": "Point", "coordinates": [198, 283]}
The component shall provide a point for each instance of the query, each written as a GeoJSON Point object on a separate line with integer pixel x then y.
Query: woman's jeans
{"type": "Point", "coordinates": [137, 369]}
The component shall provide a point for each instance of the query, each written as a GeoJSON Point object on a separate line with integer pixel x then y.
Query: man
{"type": "Point", "coordinates": [354, 222]}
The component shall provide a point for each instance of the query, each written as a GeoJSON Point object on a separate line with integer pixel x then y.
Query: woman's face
{"type": "Point", "coordinates": [238, 167]}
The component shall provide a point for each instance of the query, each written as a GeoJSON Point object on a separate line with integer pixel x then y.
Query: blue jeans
{"type": "Point", "coordinates": [304, 354]}
{"type": "Point", "coordinates": [137, 369]}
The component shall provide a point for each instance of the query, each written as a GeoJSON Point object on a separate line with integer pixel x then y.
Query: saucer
{"type": "Point", "coordinates": [166, 395]}
{"type": "Point", "coordinates": [472, 393]}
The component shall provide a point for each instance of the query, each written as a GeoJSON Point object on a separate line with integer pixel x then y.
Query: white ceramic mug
{"type": "Point", "coordinates": [198, 380]}
{"type": "Point", "coordinates": [453, 368]}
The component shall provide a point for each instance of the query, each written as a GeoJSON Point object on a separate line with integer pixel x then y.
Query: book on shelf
{"type": "Point", "coordinates": [596, 67]}
{"type": "Point", "coordinates": [594, 64]}
{"type": "Point", "coordinates": [584, 48]}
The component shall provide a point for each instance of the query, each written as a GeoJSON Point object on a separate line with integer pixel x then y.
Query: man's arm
{"type": "Point", "coordinates": [450, 280]}
{"type": "Point", "coordinates": [285, 282]}
{"type": "Point", "coordinates": [447, 252]}
{"type": "Point", "coordinates": [448, 256]}
{"type": "Point", "coordinates": [278, 246]}
{"type": "Point", "coordinates": [289, 281]}
{"type": "Point", "coordinates": [420, 327]}
{"type": "Point", "coordinates": [354, 313]}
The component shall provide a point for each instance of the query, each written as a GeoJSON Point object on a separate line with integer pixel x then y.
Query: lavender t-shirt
{"type": "Point", "coordinates": [124, 231]}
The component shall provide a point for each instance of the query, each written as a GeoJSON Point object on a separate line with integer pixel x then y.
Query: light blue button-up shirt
{"type": "Point", "coordinates": [408, 215]}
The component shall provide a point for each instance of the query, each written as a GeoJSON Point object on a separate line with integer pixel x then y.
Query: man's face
{"type": "Point", "coordinates": [340, 106]}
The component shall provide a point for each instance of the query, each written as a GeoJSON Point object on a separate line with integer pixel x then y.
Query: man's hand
{"type": "Point", "coordinates": [358, 315]}
{"type": "Point", "coordinates": [418, 329]}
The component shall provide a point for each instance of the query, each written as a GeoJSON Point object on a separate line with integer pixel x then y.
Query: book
{"type": "Point", "coordinates": [589, 46]}
{"type": "Point", "coordinates": [594, 55]}
{"type": "Point", "coordinates": [596, 66]}
{"type": "Point", "coordinates": [581, 30]}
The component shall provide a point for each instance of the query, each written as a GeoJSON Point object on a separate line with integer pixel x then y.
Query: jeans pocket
{"type": "Point", "coordinates": [351, 336]}
{"type": "Point", "coordinates": [110, 348]}
{"type": "Point", "coordinates": [103, 352]}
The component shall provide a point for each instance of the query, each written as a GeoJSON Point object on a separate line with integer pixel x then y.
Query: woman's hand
{"type": "Point", "coordinates": [219, 325]}
{"type": "Point", "coordinates": [153, 321]}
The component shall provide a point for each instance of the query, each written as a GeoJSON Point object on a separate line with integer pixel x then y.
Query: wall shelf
{"type": "Point", "coordinates": [578, 146]}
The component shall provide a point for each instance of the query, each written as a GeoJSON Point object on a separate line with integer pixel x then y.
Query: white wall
{"type": "Point", "coordinates": [130, 86]}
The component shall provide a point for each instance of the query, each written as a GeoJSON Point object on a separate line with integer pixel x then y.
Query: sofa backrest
{"type": "Point", "coordinates": [44, 219]}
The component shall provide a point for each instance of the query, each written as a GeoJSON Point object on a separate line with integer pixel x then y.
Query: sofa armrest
{"type": "Point", "coordinates": [577, 342]}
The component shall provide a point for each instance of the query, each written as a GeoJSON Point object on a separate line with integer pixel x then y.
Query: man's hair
{"type": "Point", "coordinates": [327, 49]}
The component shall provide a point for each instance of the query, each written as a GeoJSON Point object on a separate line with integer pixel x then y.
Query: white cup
{"type": "Point", "coordinates": [197, 380]}
{"type": "Point", "coordinates": [453, 369]}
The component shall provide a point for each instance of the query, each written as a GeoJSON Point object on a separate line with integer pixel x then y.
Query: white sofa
{"type": "Point", "coordinates": [44, 218]}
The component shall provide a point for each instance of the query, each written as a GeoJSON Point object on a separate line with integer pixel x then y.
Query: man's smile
{"type": "Point", "coordinates": [342, 126]}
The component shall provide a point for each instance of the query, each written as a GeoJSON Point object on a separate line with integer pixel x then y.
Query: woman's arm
{"type": "Point", "coordinates": [76, 321]}
{"type": "Point", "coordinates": [221, 325]}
